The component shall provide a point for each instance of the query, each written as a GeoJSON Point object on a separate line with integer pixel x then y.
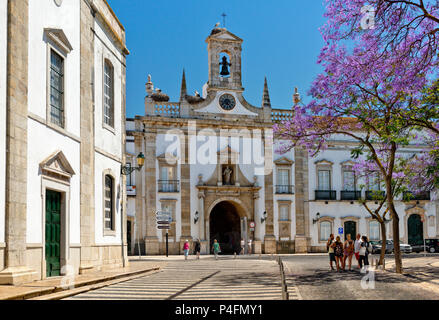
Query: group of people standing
{"type": "Point", "coordinates": [197, 249]}
{"type": "Point", "coordinates": [340, 252]}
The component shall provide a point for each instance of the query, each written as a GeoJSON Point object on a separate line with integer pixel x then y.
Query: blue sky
{"type": "Point", "coordinates": [281, 41]}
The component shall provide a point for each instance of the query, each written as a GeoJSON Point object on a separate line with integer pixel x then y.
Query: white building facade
{"type": "Point", "coordinates": [213, 164]}
{"type": "Point", "coordinates": [63, 98]}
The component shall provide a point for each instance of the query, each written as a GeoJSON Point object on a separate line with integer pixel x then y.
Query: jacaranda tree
{"type": "Point", "coordinates": [379, 59]}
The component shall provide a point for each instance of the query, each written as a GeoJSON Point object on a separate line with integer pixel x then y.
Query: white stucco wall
{"type": "Point", "coordinates": [53, 141]}
{"type": "Point", "coordinates": [108, 140]}
{"type": "Point", "coordinates": [45, 14]}
{"type": "Point", "coordinates": [3, 70]}
{"type": "Point", "coordinates": [43, 141]}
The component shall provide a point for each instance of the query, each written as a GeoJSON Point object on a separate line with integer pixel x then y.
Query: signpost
{"type": "Point", "coordinates": [164, 220]}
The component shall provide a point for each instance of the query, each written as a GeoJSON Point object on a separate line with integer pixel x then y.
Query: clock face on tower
{"type": "Point", "coordinates": [227, 102]}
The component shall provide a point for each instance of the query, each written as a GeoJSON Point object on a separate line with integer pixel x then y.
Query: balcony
{"type": "Point", "coordinates": [375, 195]}
{"type": "Point", "coordinates": [284, 189]}
{"type": "Point", "coordinates": [326, 195]}
{"type": "Point", "coordinates": [350, 195]}
{"type": "Point", "coordinates": [409, 196]}
{"type": "Point", "coordinates": [169, 186]}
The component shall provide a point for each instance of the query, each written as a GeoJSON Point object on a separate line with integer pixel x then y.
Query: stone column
{"type": "Point", "coordinates": [185, 192]}
{"type": "Point", "coordinates": [202, 223]}
{"type": "Point", "coordinates": [152, 246]}
{"type": "Point", "coordinates": [302, 240]}
{"type": "Point", "coordinates": [269, 239]}
{"type": "Point", "coordinates": [87, 154]}
{"type": "Point", "coordinates": [140, 194]}
{"type": "Point", "coordinates": [257, 240]}
{"type": "Point", "coordinates": [16, 271]}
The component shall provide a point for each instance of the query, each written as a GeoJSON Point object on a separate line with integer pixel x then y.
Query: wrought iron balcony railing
{"type": "Point", "coordinates": [375, 195]}
{"type": "Point", "coordinates": [169, 185]}
{"type": "Point", "coordinates": [350, 195]}
{"type": "Point", "coordinates": [326, 195]}
{"type": "Point", "coordinates": [408, 196]}
{"type": "Point", "coordinates": [284, 189]}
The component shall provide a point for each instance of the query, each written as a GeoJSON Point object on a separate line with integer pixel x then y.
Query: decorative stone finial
{"type": "Point", "coordinates": [149, 86]}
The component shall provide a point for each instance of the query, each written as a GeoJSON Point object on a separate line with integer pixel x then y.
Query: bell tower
{"type": "Point", "coordinates": [224, 49]}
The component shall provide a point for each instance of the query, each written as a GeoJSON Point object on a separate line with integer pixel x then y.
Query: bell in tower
{"type": "Point", "coordinates": [224, 51]}
{"type": "Point", "coordinates": [225, 67]}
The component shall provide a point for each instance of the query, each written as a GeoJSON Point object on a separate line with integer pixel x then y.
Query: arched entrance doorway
{"type": "Point", "coordinates": [415, 231]}
{"type": "Point", "coordinates": [225, 227]}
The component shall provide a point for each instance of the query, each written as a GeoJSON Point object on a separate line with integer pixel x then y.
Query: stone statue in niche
{"type": "Point", "coordinates": [227, 176]}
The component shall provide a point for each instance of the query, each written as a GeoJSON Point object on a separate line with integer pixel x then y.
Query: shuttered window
{"type": "Point", "coordinates": [109, 202]}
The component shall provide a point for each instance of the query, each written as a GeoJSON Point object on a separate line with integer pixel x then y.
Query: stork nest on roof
{"type": "Point", "coordinates": [160, 97]}
{"type": "Point", "coordinates": [194, 99]}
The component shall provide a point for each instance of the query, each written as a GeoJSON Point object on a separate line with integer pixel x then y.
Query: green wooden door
{"type": "Point", "coordinates": [53, 233]}
{"type": "Point", "coordinates": [415, 230]}
{"type": "Point", "coordinates": [350, 227]}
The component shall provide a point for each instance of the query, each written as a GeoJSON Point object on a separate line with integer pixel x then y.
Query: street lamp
{"type": "Point", "coordinates": [264, 217]}
{"type": "Point", "coordinates": [196, 217]}
{"type": "Point", "coordinates": [314, 221]}
{"type": "Point", "coordinates": [128, 169]}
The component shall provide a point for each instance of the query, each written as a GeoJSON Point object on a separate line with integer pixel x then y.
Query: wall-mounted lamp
{"type": "Point", "coordinates": [264, 217]}
{"type": "Point", "coordinates": [314, 221]}
{"type": "Point", "coordinates": [196, 217]}
{"type": "Point", "coordinates": [128, 169]}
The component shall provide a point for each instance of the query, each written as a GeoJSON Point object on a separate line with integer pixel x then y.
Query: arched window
{"type": "Point", "coordinates": [109, 203]}
{"type": "Point", "coordinates": [108, 94]}
{"type": "Point", "coordinates": [325, 230]}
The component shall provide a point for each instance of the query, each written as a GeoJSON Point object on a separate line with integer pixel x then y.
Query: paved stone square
{"type": "Point", "coordinates": [206, 279]}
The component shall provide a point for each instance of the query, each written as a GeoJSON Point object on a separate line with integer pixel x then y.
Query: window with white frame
{"type": "Point", "coordinates": [56, 89]}
{"type": "Point", "coordinates": [284, 214]}
{"type": "Point", "coordinates": [374, 181]}
{"type": "Point", "coordinates": [325, 230]}
{"type": "Point", "coordinates": [168, 207]}
{"type": "Point", "coordinates": [109, 203]}
{"type": "Point", "coordinates": [324, 179]}
{"type": "Point", "coordinates": [283, 177]}
{"type": "Point", "coordinates": [348, 180]}
{"type": "Point", "coordinates": [374, 230]}
{"type": "Point", "coordinates": [108, 94]}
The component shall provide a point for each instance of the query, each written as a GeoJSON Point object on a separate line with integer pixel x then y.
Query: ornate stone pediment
{"type": "Point", "coordinates": [56, 165]}
{"type": "Point", "coordinates": [347, 163]}
{"type": "Point", "coordinates": [324, 162]}
{"type": "Point", "coordinates": [59, 37]}
{"type": "Point", "coordinates": [168, 158]}
{"type": "Point", "coordinates": [283, 161]}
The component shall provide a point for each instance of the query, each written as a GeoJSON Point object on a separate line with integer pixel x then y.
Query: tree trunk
{"type": "Point", "coordinates": [396, 248]}
{"type": "Point", "coordinates": [384, 244]}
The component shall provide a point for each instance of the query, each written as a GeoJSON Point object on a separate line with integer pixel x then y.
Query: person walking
{"type": "Point", "coordinates": [339, 253]}
{"type": "Point", "coordinates": [250, 248]}
{"type": "Point", "coordinates": [242, 247]}
{"type": "Point", "coordinates": [357, 246]}
{"type": "Point", "coordinates": [186, 249]}
{"type": "Point", "coordinates": [364, 252]}
{"type": "Point", "coordinates": [197, 249]}
{"type": "Point", "coordinates": [216, 249]}
{"type": "Point", "coordinates": [348, 252]}
{"type": "Point", "coordinates": [330, 248]}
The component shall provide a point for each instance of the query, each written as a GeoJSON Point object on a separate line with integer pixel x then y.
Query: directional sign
{"type": "Point", "coordinates": [164, 227]}
{"type": "Point", "coordinates": [163, 222]}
